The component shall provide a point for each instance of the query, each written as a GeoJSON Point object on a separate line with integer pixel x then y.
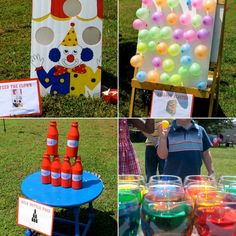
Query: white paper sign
{"type": "Point", "coordinates": [19, 97]}
{"type": "Point", "coordinates": [171, 104]}
{"type": "Point", "coordinates": [36, 216]}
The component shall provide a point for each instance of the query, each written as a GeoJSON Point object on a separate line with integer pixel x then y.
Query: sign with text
{"type": "Point", "coordinates": [171, 105]}
{"type": "Point", "coordinates": [20, 97]}
{"type": "Point", "coordinates": [35, 216]}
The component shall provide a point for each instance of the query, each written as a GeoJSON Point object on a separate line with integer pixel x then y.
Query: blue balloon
{"type": "Point", "coordinates": [189, 3]}
{"type": "Point", "coordinates": [141, 76]}
{"type": "Point", "coordinates": [185, 48]}
{"type": "Point", "coordinates": [202, 85]}
{"type": "Point", "coordinates": [186, 60]}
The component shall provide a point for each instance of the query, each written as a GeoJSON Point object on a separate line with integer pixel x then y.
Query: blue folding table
{"type": "Point", "coordinates": [68, 198]}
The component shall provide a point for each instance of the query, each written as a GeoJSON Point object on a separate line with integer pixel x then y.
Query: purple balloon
{"type": "Point", "coordinates": [139, 24]}
{"type": "Point", "coordinates": [178, 34]}
{"type": "Point", "coordinates": [203, 34]}
{"type": "Point", "coordinates": [157, 62]}
{"type": "Point", "coordinates": [157, 16]}
{"type": "Point", "coordinates": [207, 20]}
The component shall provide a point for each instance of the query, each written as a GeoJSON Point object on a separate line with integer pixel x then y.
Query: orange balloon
{"type": "Point", "coordinates": [172, 18]}
{"type": "Point", "coordinates": [201, 51]}
{"type": "Point", "coordinates": [152, 76]}
{"type": "Point", "coordinates": [136, 61]}
{"type": "Point", "coordinates": [161, 3]}
{"type": "Point", "coordinates": [209, 5]}
{"type": "Point", "coordinates": [162, 48]}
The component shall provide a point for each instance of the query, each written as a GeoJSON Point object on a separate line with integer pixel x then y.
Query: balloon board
{"type": "Point", "coordinates": [174, 41]}
{"type": "Point", "coordinates": [66, 46]}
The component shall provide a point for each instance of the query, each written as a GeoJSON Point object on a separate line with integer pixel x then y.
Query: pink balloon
{"type": "Point", "coordinates": [157, 17]}
{"type": "Point", "coordinates": [185, 19]}
{"type": "Point", "coordinates": [203, 34]}
{"type": "Point", "coordinates": [178, 34]}
{"type": "Point", "coordinates": [157, 62]}
{"type": "Point", "coordinates": [139, 24]}
{"type": "Point", "coordinates": [147, 2]}
{"type": "Point", "coordinates": [190, 35]}
{"type": "Point", "coordinates": [197, 4]}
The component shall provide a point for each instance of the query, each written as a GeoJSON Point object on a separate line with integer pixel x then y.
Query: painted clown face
{"type": "Point", "coordinates": [70, 56]}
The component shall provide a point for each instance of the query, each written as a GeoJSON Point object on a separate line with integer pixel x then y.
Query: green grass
{"type": "Point", "coordinates": [21, 150]}
{"type": "Point", "coordinates": [223, 160]}
{"type": "Point", "coordinates": [127, 48]}
{"type": "Point", "coordinates": [15, 41]}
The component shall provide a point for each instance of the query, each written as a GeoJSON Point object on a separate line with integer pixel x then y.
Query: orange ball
{"type": "Point", "coordinates": [161, 3]}
{"type": "Point", "coordinates": [201, 51]}
{"type": "Point", "coordinates": [153, 76]}
{"type": "Point", "coordinates": [162, 48]}
{"type": "Point", "coordinates": [209, 5]}
{"type": "Point", "coordinates": [136, 61]}
{"type": "Point", "coordinates": [172, 18]}
{"type": "Point", "coordinates": [165, 124]}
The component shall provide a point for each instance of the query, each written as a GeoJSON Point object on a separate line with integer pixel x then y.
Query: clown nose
{"type": "Point", "coordinates": [70, 58]}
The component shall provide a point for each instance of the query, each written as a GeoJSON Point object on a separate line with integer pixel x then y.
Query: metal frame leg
{"type": "Point", "coordinates": [90, 218]}
{"type": "Point", "coordinates": [76, 211]}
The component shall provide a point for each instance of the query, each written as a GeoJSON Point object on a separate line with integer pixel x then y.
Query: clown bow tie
{"type": "Point", "coordinates": [60, 70]}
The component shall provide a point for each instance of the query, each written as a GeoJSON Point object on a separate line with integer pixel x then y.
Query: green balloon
{"type": "Point", "coordinates": [166, 32]}
{"type": "Point", "coordinates": [174, 49]}
{"type": "Point", "coordinates": [142, 13]}
{"type": "Point", "coordinates": [196, 21]}
{"type": "Point", "coordinates": [173, 3]}
{"type": "Point", "coordinates": [164, 78]}
{"type": "Point", "coordinates": [183, 71]}
{"type": "Point", "coordinates": [151, 46]}
{"type": "Point", "coordinates": [195, 69]}
{"type": "Point", "coordinates": [154, 33]}
{"type": "Point", "coordinates": [143, 35]}
{"type": "Point", "coordinates": [142, 47]}
{"type": "Point", "coordinates": [168, 65]}
{"type": "Point", "coordinates": [176, 80]}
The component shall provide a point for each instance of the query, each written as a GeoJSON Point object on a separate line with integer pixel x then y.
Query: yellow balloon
{"type": "Point", "coordinates": [162, 48]}
{"type": "Point", "coordinates": [165, 124]}
{"type": "Point", "coordinates": [172, 18]}
{"type": "Point", "coordinates": [201, 51]}
{"type": "Point", "coordinates": [152, 76]}
{"type": "Point", "coordinates": [136, 61]}
{"type": "Point", "coordinates": [161, 3]}
{"type": "Point", "coordinates": [209, 5]}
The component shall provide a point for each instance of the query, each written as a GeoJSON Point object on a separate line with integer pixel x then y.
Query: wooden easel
{"type": "Point", "coordinates": [212, 90]}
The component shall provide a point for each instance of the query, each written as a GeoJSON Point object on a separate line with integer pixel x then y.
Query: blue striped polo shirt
{"type": "Point", "coordinates": [186, 147]}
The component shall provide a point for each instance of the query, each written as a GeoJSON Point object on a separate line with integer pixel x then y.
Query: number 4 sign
{"type": "Point", "coordinates": [35, 216]}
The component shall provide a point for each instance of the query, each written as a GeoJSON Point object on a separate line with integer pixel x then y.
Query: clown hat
{"type": "Point", "coordinates": [70, 39]}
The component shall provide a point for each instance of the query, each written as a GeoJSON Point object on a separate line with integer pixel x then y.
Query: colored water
{"type": "Point", "coordinates": [132, 188]}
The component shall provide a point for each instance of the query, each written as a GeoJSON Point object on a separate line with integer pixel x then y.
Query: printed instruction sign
{"type": "Point", "coordinates": [170, 104]}
{"type": "Point", "coordinates": [35, 216]}
{"type": "Point", "coordinates": [20, 97]}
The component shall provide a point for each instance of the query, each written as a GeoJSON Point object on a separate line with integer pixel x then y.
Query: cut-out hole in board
{"type": "Point", "coordinates": [91, 35]}
{"type": "Point", "coordinates": [72, 7]}
{"type": "Point", "coordinates": [44, 35]}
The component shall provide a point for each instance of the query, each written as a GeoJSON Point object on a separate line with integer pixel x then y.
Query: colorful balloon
{"type": "Point", "coordinates": [176, 80]}
{"type": "Point", "coordinates": [143, 35]}
{"type": "Point", "coordinates": [209, 5]}
{"type": "Point", "coordinates": [183, 71]}
{"type": "Point", "coordinates": [186, 60]}
{"type": "Point", "coordinates": [168, 65]}
{"type": "Point", "coordinates": [139, 24]}
{"type": "Point", "coordinates": [174, 50]}
{"type": "Point", "coordinates": [185, 19]}
{"type": "Point", "coordinates": [172, 18]}
{"type": "Point", "coordinates": [142, 13]}
{"type": "Point", "coordinates": [164, 78]}
{"type": "Point", "coordinates": [166, 32]}
{"type": "Point", "coordinates": [153, 76]}
{"type": "Point", "coordinates": [173, 3]}
{"type": "Point", "coordinates": [157, 17]}
{"type": "Point", "coordinates": [202, 85]}
{"type": "Point", "coordinates": [197, 4]}
{"type": "Point", "coordinates": [142, 47]}
{"type": "Point", "coordinates": [157, 62]}
{"type": "Point", "coordinates": [203, 34]}
{"type": "Point", "coordinates": [161, 3]}
{"type": "Point", "coordinates": [195, 69]}
{"type": "Point", "coordinates": [178, 34]}
{"type": "Point", "coordinates": [147, 2]}
{"type": "Point", "coordinates": [189, 3]}
{"type": "Point", "coordinates": [186, 48]}
{"type": "Point", "coordinates": [196, 21]}
{"type": "Point", "coordinates": [154, 32]}
{"type": "Point", "coordinates": [151, 46]}
{"type": "Point", "coordinates": [141, 76]}
{"type": "Point", "coordinates": [136, 60]}
{"type": "Point", "coordinates": [162, 48]}
{"type": "Point", "coordinates": [207, 20]}
{"type": "Point", "coordinates": [201, 51]}
{"type": "Point", "coordinates": [190, 35]}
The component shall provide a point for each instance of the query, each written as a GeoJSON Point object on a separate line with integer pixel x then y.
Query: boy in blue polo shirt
{"type": "Point", "coordinates": [184, 146]}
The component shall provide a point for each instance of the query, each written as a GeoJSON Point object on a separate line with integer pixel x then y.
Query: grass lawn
{"type": "Point", "coordinates": [223, 159]}
{"type": "Point", "coordinates": [21, 150]}
{"type": "Point", "coordinates": [15, 41]}
{"type": "Point", "coordinates": [127, 48]}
